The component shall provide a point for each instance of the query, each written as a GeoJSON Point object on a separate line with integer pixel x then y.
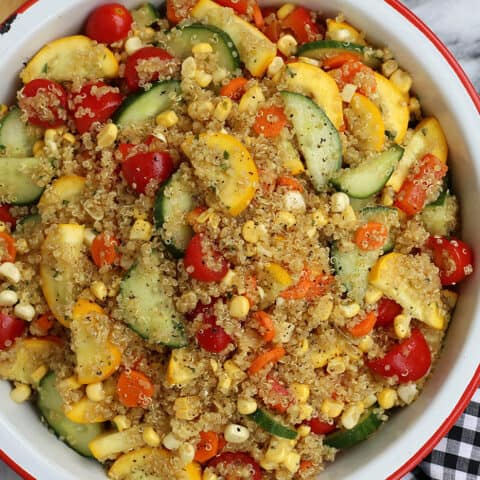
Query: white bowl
{"type": "Point", "coordinates": [444, 92]}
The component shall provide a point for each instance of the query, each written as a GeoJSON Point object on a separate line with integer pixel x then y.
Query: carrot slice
{"type": "Point", "coordinates": [266, 322]}
{"type": "Point", "coordinates": [338, 60]}
{"type": "Point", "coordinates": [290, 183]}
{"type": "Point", "coordinates": [270, 356]}
{"type": "Point", "coordinates": [270, 121]}
{"type": "Point", "coordinates": [257, 16]}
{"type": "Point", "coordinates": [134, 389]}
{"type": "Point", "coordinates": [45, 322]}
{"type": "Point", "coordinates": [371, 236]}
{"type": "Point", "coordinates": [365, 326]}
{"type": "Point", "coordinates": [234, 88]}
{"type": "Point", "coordinates": [308, 287]}
{"type": "Point", "coordinates": [8, 252]}
{"type": "Point", "coordinates": [207, 447]}
{"type": "Point", "coordinates": [104, 249]}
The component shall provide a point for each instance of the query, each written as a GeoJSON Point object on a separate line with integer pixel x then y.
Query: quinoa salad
{"type": "Point", "coordinates": [228, 239]}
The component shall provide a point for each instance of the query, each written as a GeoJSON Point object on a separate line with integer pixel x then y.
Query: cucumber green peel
{"type": "Point", "coordinates": [270, 425]}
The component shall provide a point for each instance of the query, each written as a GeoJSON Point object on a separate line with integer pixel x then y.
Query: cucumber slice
{"type": "Point", "coordinates": [441, 219]}
{"type": "Point", "coordinates": [386, 215]}
{"type": "Point", "coordinates": [28, 223]}
{"type": "Point", "coordinates": [146, 104]}
{"type": "Point", "coordinates": [181, 40]}
{"type": "Point", "coordinates": [144, 15]}
{"type": "Point", "coordinates": [317, 137]}
{"type": "Point", "coordinates": [322, 49]}
{"type": "Point", "coordinates": [146, 307]}
{"type": "Point", "coordinates": [75, 435]}
{"type": "Point", "coordinates": [174, 200]}
{"type": "Point", "coordinates": [20, 179]}
{"type": "Point", "coordinates": [270, 425]}
{"type": "Point", "coordinates": [16, 136]}
{"type": "Point", "coordinates": [352, 268]}
{"type": "Point", "coordinates": [342, 439]}
{"type": "Point", "coordinates": [370, 176]}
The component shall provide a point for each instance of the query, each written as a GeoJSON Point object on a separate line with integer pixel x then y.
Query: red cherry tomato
{"type": "Point", "coordinates": [240, 6]}
{"type": "Point", "coordinates": [453, 257]}
{"type": "Point", "coordinates": [318, 427]}
{"type": "Point", "coordinates": [155, 54]}
{"type": "Point", "coordinates": [6, 216]}
{"type": "Point", "coordinates": [279, 397]}
{"type": "Point", "coordinates": [410, 360]}
{"type": "Point", "coordinates": [144, 168]}
{"type": "Point", "coordinates": [301, 24]}
{"type": "Point", "coordinates": [234, 461]}
{"type": "Point", "coordinates": [205, 311]}
{"type": "Point", "coordinates": [203, 263]}
{"type": "Point", "coordinates": [44, 103]}
{"type": "Point", "coordinates": [104, 249]}
{"type": "Point", "coordinates": [213, 338]}
{"type": "Point", "coordinates": [387, 310]}
{"type": "Point", "coordinates": [178, 10]}
{"type": "Point", "coordinates": [10, 329]}
{"type": "Point", "coordinates": [95, 102]}
{"type": "Point", "coordinates": [8, 251]}
{"type": "Point", "coordinates": [109, 23]}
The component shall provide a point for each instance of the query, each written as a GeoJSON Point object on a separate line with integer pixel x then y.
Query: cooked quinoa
{"type": "Point", "coordinates": [195, 282]}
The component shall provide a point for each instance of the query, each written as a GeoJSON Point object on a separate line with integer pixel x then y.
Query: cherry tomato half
{"type": "Point", "coordinates": [109, 23]}
{"type": "Point", "coordinates": [410, 360]}
{"type": "Point", "coordinates": [203, 263]}
{"type": "Point", "coordinates": [6, 216]}
{"type": "Point", "coordinates": [152, 54]}
{"type": "Point", "coordinates": [387, 310]}
{"type": "Point", "coordinates": [104, 249]}
{"type": "Point", "coordinates": [8, 252]}
{"type": "Point", "coordinates": [278, 396]}
{"type": "Point", "coordinates": [235, 460]}
{"type": "Point", "coordinates": [147, 167]}
{"type": "Point", "coordinates": [318, 427]}
{"type": "Point", "coordinates": [95, 102]}
{"type": "Point", "coordinates": [10, 329]}
{"type": "Point", "coordinates": [240, 6]}
{"type": "Point", "coordinates": [301, 24]}
{"type": "Point", "coordinates": [44, 103]}
{"type": "Point", "coordinates": [453, 257]}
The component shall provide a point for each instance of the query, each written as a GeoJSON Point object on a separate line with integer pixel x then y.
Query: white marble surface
{"type": "Point", "coordinates": [457, 23]}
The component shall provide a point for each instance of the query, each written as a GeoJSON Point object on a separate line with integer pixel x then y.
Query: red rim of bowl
{"type": "Point", "coordinates": [475, 382]}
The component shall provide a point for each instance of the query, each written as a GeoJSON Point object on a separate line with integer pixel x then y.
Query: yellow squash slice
{"type": "Point", "coordinates": [27, 355]}
{"type": "Point", "coordinates": [274, 280]}
{"type": "Point", "coordinates": [394, 107]}
{"type": "Point", "coordinates": [70, 58]}
{"type": "Point", "coordinates": [110, 444]}
{"type": "Point", "coordinates": [427, 138]}
{"type": "Point", "coordinates": [256, 50]}
{"type": "Point", "coordinates": [62, 260]}
{"type": "Point", "coordinates": [97, 357]}
{"type": "Point", "coordinates": [226, 167]}
{"type": "Point", "coordinates": [343, 32]}
{"type": "Point", "coordinates": [181, 368]}
{"type": "Point", "coordinates": [366, 123]}
{"type": "Point", "coordinates": [312, 81]}
{"type": "Point", "coordinates": [64, 189]}
{"type": "Point", "coordinates": [403, 279]}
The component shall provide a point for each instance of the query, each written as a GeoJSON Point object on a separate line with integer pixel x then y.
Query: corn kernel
{"type": "Point", "coordinates": [69, 138]}
{"type": "Point", "coordinates": [38, 374]}
{"type": "Point", "coordinates": [8, 298]}
{"type": "Point", "coordinates": [365, 344]}
{"type": "Point", "coordinates": [407, 392]}
{"type": "Point", "coordinates": [339, 202]}
{"type": "Point", "coordinates": [141, 230]}
{"type": "Point", "coordinates": [132, 45]}
{"type": "Point", "coordinates": [21, 393]}
{"type": "Point", "coordinates": [287, 45]}
{"type": "Point", "coordinates": [322, 310]}
{"type": "Point", "coordinates": [122, 422]}
{"type": "Point", "coordinates": [89, 236]}
{"type": "Point", "coordinates": [414, 106]}
{"type": "Point", "coordinates": [401, 326]}
{"type": "Point", "coordinates": [95, 392]}
{"type": "Point", "coordinates": [450, 298]}
{"type": "Point", "coordinates": [369, 400]}
{"type": "Point", "coordinates": [202, 78]}
{"type": "Point", "coordinates": [227, 280]}
{"type": "Point", "coordinates": [246, 406]}
{"type": "Point", "coordinates": [38, 147]}
{"type": "Point", "coordinates": [171, 442]}
{"type": "Point", "coordinates": [387, 398]}
{"type": "Point", "coordinates": [331, 408]}
{"type": "Point", "coordinates": [187, 408]}
{"type": "Point", "coordinates": [292, 462]}
{"type": "Point", "coordinates": [186, 452]}
{"type": "Point", "coordinates": [294, 201]}
{"type": "Point", "coordinates": [189, 67]}
{"type": "Point", "coordinates": [50, 135]}
{"type": "Point", "coordinates": [336, 366]}
{"type": "Point", "coordinates": [150, 437]}
{"type": "Point", "coordinates": [277, 451]}
{"type": "Point", "coordinates": [235, 433]}
{"type": "Point", "coordinates": [348, 92]}
{"type": "Point", "coordinates": [250, 232]}
{"type": "Point", "coordinates": [209, 475]}
{"type": "Point", "coordinates": [167, 119]}
{"type": "Point", "coordinates": [219, 74]}
{"type": "Point", "coordinates": [285, 10]}
{"type": "Point", "coordinates": [107, 135]}
{"type": "Point", "coordinates": [202, 48]}
{"type": "Point", "coordinates": [251, 100]}
{"type": "Point", "coordinates": [10, 272]}
{"type": "Point", "coordinates": [99, 290]}
{"type": "Point", "coordinates": [239, 306]}
{"type": "Point", "coordinates": [223, 109]}
{"type": "Point", "coordinates": [275, 66]}
{"type": "Point", "coordinates": [402, 80]}
{"type": "Point", "coordinates": [301, 391]}
{"type": "Point", "coordinates": [387, 197]}
{"type": "Point", "coordinates": [286, 219]}
{"type": "Point", "coordinates": [310, 61]}
{"type": "Point", "coordinates": [224, 383]}
{"type": "Point", "coordinates": [389, 67]}
{"type": "Point", "coordinates": [233, 371]}
{"type": "Point", "coordinates": [349, 310]}
{"type": "Point", "coordinates": [304, 346]}
{"type": "Point", "coordinates": [304, 430]}
{"type": "Point", "coordinates": [305, 411]}
{"type": "Point", "coordinates": [25, 311]}
{"type": "Point", "coordinates": [373, 295]}
{"type": "Point", "coordinates": [319, 219]}
{"type": "Point", "coordinates": [351, 415]}
{"type": "Point", "coordinates": [71, 383]}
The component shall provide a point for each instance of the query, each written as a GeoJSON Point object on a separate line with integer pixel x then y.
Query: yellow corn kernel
{"type": "Point", "coordinates": [349, 310]}
{"type": "Point", "coordinates": [227, 280]}
{"type": "Point", "coordinates": [39, 373]}
{"type": "Point", "coordinates": [279, 274]}
{"type": "Point", "coordinates": [141, 230]}
{"type": "Point", "coordinates": [186, 453]}
{"type": "Point", "coordinates": [286, 219]}
{"type": "Point", "coordinates": [369, 400]}
{"type": "Point", "coordinates": [310, 61]}
{"type": "Point", "coordinates": [69, 138]}
{"type": "Point", "coordinates": [348, 92]}
{"type": "Point", "coordinates": [387, 398]}
{"type": "Point", "coordinates": [331, 408]}
{"type": "Point", "coordinates": [209, 475]}
{"type": "Point", "coordinates": [239, 306]}
{"type": "Point", "coordinates": [304, 430]}
{"type": "Point", "coordinates": [250, 232]}
{"type": "Point", "coordinates": [132, 45]}
{"type": "Point", "coordinates": [365, 344]}
{"type": "Point", "coordinates": [148, 33]}
{"type": "Point", "coordinates": [99, 290]}
{"type": "Point", "coordinates": [373, 295]}
{"type": "Point", "coordinates": [233, 371]}
{"type": "Point", "coordinates": [201, 48]}
{"type": "Point", "coordinates": [292, 462]}
{"type": "Point", "coordinates": [224, 383]}
{"type": "Point", "coordinates": [187, 408]}
{"type": "Point", "coordinates": [287, 45]}
{"type": "Point", "coordinates": [107, 135]}
{"type": "Point", "coordinates": [285, 10]}
{"type": "Point", "coordinates": [3, 110]}
{"type": "Point", "coordinates": [21, 393]}
{"type": "Point", "coordinates": [38, 147]}
{"type": "Point", "coordinates": [336, 366]}
{"type": "Point", "coordinates": [122, 422]}
{"type": "Point", "coordinates": [351, 415]}
{"type": "Point", "coordinates": [348, 215]}
{"type": "Point", "coordinates": [319, 219]}
{"type": "Point", "coordinates": [322, 310]}
{"type": "Point", "coordinates": [407, 392]}
{"type": "Point", "coordinates": [275, 66]}
{"type": "Point", "coordinates": [305, 411]}
{"type": "Point", "coordinates": [150, 437]}
{"type": "Point", "coordinates": [388, 197]}
{"type": "Point", "coordinates": [414, 106]}
{"type": "Point", "coordinates": [319, 359]}
{"type": "Point", "coordinates": [304, 347]}
{"type": "Point", "coordinates": [277, 450]}
{"type": "Point", "coordinates": [389, 67]}
{"type": "Point", "coordinates": [71, 383]}
{"type": "Point", "coordinates": [401, 326]}
{"type": "Point", "coordinates": [189, 67]}
{"type": "Point", "coordinates": [167, 119]}
{"type": "Point", "coordinates": [95, 392]}
{"type": "Point", "coordinates": [339, 202]}
{"type": "Point", "coordinates": [402, 80]}
{"type": "Point", "coordinates": [50, 135]}
{"type": "Point", "coordinates": [251, 100]}
{"type": "Point", "coordinates": [223, 109]}
{"type": "Point", "coordinates": [301, 391]}
{"type": "Point", "coordinates": [202, 78]}
{"type": "Point", "coordinates": [246, 406]}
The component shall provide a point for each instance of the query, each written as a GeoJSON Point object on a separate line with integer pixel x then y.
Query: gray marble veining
{"type": "Point", "coordinates": [457, 23]}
